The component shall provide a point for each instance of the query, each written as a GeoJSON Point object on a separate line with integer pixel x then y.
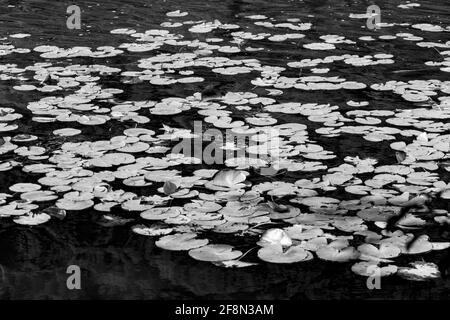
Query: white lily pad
{"type": "Point", "coordinates": [274, 253]}
{"type": "Point", "coordinates": [181, 242]}
{"type": "Point", "coordinates": [215, 252]}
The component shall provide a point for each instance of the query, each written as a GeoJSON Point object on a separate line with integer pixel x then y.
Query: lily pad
{"type": "Point", "coordinates": [181, 242]}
{"type": "Point", "coordinates": [274, 253]}
{"type": "Point", "coordinates": [215, 252]}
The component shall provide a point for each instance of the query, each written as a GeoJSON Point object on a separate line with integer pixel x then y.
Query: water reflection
{"type": "Point", "coordinates": [116, 264]}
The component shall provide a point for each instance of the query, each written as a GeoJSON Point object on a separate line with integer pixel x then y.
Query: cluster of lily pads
{"type": "Point", "coordinates": [296, 214]}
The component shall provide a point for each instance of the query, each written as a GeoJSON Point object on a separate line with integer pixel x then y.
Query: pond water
{"type": "Point", "coordinates": [411, 49]}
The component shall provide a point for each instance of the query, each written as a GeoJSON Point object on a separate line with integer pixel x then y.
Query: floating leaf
{"type": "Point", "coordinates": [337, 252]}
{"type": "Point", "coordinates": [371, 269]}
{"type": "Point", "coordinates": [274, 253]}
{"type": "Point", "coordinates": [181, 242]}
{"type": "Point", "coordinates": [32, 219]}
{"type": "Point", "coordinates": [234, 264]}
{"type": "Point", "coordinates": [152, 231]}
{"type": "Point", "coordinates": [215, 252]}
{"type": "Point", "coordinates": [419, 271]}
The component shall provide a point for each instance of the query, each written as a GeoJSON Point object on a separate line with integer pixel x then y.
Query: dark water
{"type": "Point", "coordinates": [117, 264]}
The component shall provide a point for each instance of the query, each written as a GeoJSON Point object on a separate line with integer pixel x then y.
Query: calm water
{"type": "Point", "coordinates": [119, 264]}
